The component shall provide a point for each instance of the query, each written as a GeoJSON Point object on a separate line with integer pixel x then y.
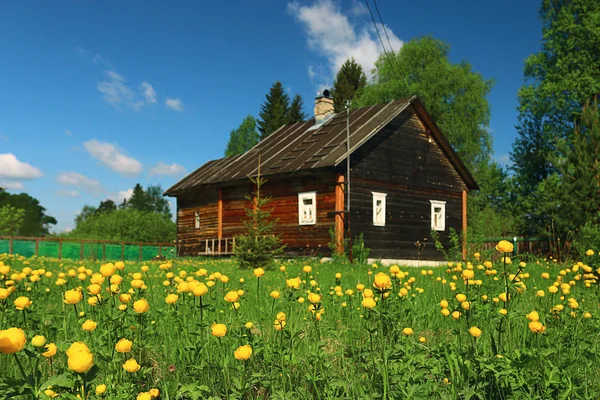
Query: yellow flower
{"type": "Point", "coordinates": [232, 296]}
{"type": "Point", "coordinates": [12, 340]}
{"type": "Point", "coordinates": [536, 327]}
{"type": "Point", "coordinates": [144, 396]}
{"type": "Point", "coordinates": [461, 297]}
{"type": "Point", "coordinates": [89, 325]}
{"type": "Point", "coordinates": [475, 331]}
{"type": "Point", "coordinates": [293, 283]}
{"type": "Point", "coordinates": [38, 341]}
{"type": "Point", "coordinates": [275, 294]}
{"type": "Point", "coordinates": [279, 324]}
{"type": "Point", "coordinates": [81, 361]}
{"type": "Point", "coordinates": [123, 346]}
{"type": "Point", "coordinates": [258, 272]}
{"type": "Point", "coordinates": [444, 303]}
{"type": "Point", "coordinates": [445, 312]}
{"type": "Point", "coordinates": [533, 316]}
{"type": "Point", "coordinates": [218, 330]}
{"type": "Point", "coordinates": [50, 393]}
{"type": "Point", "coordinates": [154, 392]}
{"type": "Point", "coordinates": [553, 289]}
{"type": "Point", "coordinates": [141, 306]}
{"type": "Point", "coordinates": [504, 246]}
{"type": "Point", "coordinates": [249, 325]}
{"type": "Point", "coordinates": [50, 350]}
{"type": "Point", "coordinates": [22, 303]}
{"type": "Point", "coordinates": [368, 302]}
{"type": "Point", "coordinates": [73, 296]}
{"type": "Point", "coordinates": [422, 339]}
{"type": "Point", "coordinates": [307, 269]}
{"type": "Point", "coordinates": [108, 270]}
{"type": "Point", "coordinates": [120, 265]}
{"type": "Point", "coordinates": [131, 365]}
{"type": "Point", "coordinates": [466, 305]}
{"type": "Point", "coordinates": [587, 314]}
{"type": "Point", "coordinates": [200, 290]}
{"type": "Point", "coordinates": [360, 287]}
{"type": "Point", "coordinates": [456, 314]}
{"type": "Point", "coordinates": [77, 347]}
{"type": "Point", "coordinates": [468, 274]}
{"type": "Point", "coordinates": [367, 293]}
{"type": "Point", "coordinates": [100, 389]}
{"type": "Point", "coordinates": [314, 298]}
{"type": "Point", "coordinates": [171, 298]}
{"type": "Point", "coordinates": [590, 252]}
{"type": "Point", "coordinates": [243, 352]}
{"type": "Point", "coordinates": [338, 276]}
{"type": "Point", "coordinates": [382, 281]}
{"type": "Point", "coordinates": [540, 293]}
{"type": "Point", "coordinates": [503, 311]}
{"type": "Point", "coordinates": [407, 331]}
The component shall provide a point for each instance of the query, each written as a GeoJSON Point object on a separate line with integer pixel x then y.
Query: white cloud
{"type": "Point", "coordinates": [332, 35]}
{"type": "Point", "coordinates": [93, 58]}
{"type": "Point", "coordinates": [91, 186]}
{"type": "Point", "coordinates": [68, 132]}
{"type": "Point", "coordinates": [67, 193]}
{"type": "Point", "coordinates": [67, 229]}
{"type": "Point", "coordinates": [5, 184]}
{"type": "Point", "coordinates": [174, 104]}
{"type": "Point", "coordinates": [109, 155]}
{"type": "Point", "coordinates": [117, 93]}
{"type": "Point", "coordinates": [358, 8]}
{"type": "Point", "coordinates": [121, 195]}
{"type": "Point", "coordinates": [13, 169]}
{"type": "Point", "coordinates": [149, 92]}
{"type": "Point", "coordinates": [167, 169]}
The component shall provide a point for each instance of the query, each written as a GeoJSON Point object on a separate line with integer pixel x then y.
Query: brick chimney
{"type": "Point", "coordinates": [323, 106]}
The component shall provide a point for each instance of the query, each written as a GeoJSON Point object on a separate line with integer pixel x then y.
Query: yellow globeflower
{"type": "Point", "coordinates": [50, 393]}
{"type": "Point", "coordinates": [50, 350]}
{"type": "Point", "coordinates": [444, 303]}
{"type": "Point", "coordinates": [456, 314]}
{"type": "Point", "coordinates": [293, 283]}
{"type": "Point", "coordinates": [171, 298]}
{"type": "Point", "coordinates": [382, 281]}
{"type": "Point", "coordinates": [249, 325]}
{"type": "Point", "coordinates": [89, 325]}
{"type": "Point", "coordinates": [475, 331]}
{"type": "Point", "coordinates": [73, 296]}
{"type": "Point", "coordinates": [38, 341]}
{"type": "Point", "coordinates": [141, 306]}
{"type": "Point", "coordinates": [131, 365]}
{"type": "Point", "coordinates": [243, 352]}
{"type": "Point", "coordinates": [536, 327]}
{"type": "Point", "coordinates": [460, 297]}
{"type": "Point", "coordinates": [218, 330]}
{"type": "Point", "coordinates": [77, 347]}
{"type": "Point", "coordinates": [4, 293]}
{"type": "Point", "coordinates": [144, 396]}
{"type": "Point", "coordinates": [468, 274]}
{"type": "Point", "coordinates": [504, 246]}
{"type": "Point", "coordinates": [258, 272]}
{"type": "Point", "coordinates": [100, 389]}
{"type": "Point", "coordinates": [232, 296]}
{"type": "Point", "coordinates": [368, 302]}
{"type": "Point", "coordinates": [367, 293]}
{"type": "Point", "coordinates": [307, 269]}
{"type": "Point", "coordinates": [12, 340]}
{"type": "Point", "coordinates": [120, 265]}
{"type": "Point", "coordinates": [81, 361]}
{"type": "Point", "coordinates": [445, 312]}
{"type": "Point", "coordinates": [200, 290]}
{"type": "Point", "coordinates": [108, 270]}
{"type": "Point", "coordinates": [422, 339]}
{"type": "Point", "coordinates": [154, 392]}
{"type": "Point", "coordinates": [590, 252]}
{"type": "Point", "coordinates": [22, 303]}
{"type": "Point", "coordinates": [407, 331]}
{"type": "Point", "coordinates": [275, 294]}
{"type": "Point", "coordinates": [123, 346]}
{"type": "Point", "coordinates": [279, 324]}
{"type": "Point", "coordinates": [314, 298]}
{"type": "Point", "coordinates": [533, 316]}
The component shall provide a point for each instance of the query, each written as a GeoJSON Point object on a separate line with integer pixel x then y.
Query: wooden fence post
{"type": "Point", "coordinates": [60, 249]}
{"type": "Point", "coordinates": [37, 247]}
{"type": "Point", "coordinates": [103, 251]}
{"type": "Point", "coordinates": [160, 250]}
{"type": "Point", "coordinates": [10, 245]}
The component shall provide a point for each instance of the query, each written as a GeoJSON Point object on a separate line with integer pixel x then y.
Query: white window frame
{"type": "Point", "coordinates": [376, 197]}
{"type": "Point", "coordinates": [442, 225]}
{"type": "Point", "coordinates": [197, 218]}
{"type": "Point", "coordinates": [302, 208]}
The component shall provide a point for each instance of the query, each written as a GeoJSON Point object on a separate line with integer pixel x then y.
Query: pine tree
{"type": "Point", "coordinates": [274, 111]}
{"type": "Point", "coordinates": [349, 79]}
{"type": "Point", "coordinates": [258, 246]}
{"type": "Point", "coordinates": [296, 114]}
{"type": "Point", "coordinates": [243, 138]}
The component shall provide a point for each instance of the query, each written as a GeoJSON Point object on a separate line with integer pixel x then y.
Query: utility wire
{"type": "Point", "coordinates": [383, 25]}
{"type": "Point", "coordinates": [380, 40]}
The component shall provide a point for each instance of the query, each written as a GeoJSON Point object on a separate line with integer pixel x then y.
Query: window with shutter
{"type": "Point", "coordinates": [307, 208]}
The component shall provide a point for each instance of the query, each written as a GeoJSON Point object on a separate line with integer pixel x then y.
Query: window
{"type": "Point", "coordinates": [379, 208]}
{"type": "Point", "coordinates": [197, 219]}
{"type": "Point", "coordinates": [307, 208]}
{"type": "Point", "coordinates": [438, 215]}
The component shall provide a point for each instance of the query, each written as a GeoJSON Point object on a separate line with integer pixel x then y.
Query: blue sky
{"type": "Point", "coordinates": [95, 97]}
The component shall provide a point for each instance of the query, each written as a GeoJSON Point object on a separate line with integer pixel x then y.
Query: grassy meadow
{"type": "Point", "coordinates": [204, 329]}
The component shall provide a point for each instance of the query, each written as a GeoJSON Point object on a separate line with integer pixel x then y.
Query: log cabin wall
{"type": "Point", "coordinates": [299, 239]}
{"type": "Point", "coordinates": [404, 161]}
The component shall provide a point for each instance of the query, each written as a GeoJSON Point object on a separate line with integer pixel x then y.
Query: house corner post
{"type": "Point", "coordinates": [220, 219]}
{"type": "Point", "coordinates": [464, 224]}
{"type": "Point", "coordinates": [339, 215]}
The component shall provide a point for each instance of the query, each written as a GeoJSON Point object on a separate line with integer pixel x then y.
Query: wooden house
{"type": "Point", "coordinates": [405, 182]}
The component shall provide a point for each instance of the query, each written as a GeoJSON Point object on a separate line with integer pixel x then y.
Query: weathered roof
{"type": "Point", "coordinates": [298, 147]}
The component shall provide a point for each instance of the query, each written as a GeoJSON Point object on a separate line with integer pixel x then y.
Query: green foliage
{"type": "Point", "coordinates": [337, 257]}
{"type": "Point", "coordinates": [243, 138]}
{"type": "Point", "coordinates": [559, 79]}
{"type": "Point", "coordinates": [454, 95]}
{"type": "Point", "coordinates": [274, 112]}
{"type": "Point", "coordinates": [35, 221]}
{"type": "Point", "coordinates": [149, 200]}
{"type": "Point", "coordinates": [588, 238]}
{"type": "Point", "coordinates": [258, 247]}
{"type": "Point", "coordinates": [360, 252]}
{"type": "Point", "coordinates": [295, 113]}
{"type": "Point", "coordinates": [128, 225]}
{"type": "Point", "coordinates": [11, 219]}
{"type": "Point", "coordinates": [349, 79]}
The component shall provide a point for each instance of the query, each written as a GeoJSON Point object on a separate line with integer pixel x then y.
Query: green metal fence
{"type": "Point", "coordinates": [74, 249]}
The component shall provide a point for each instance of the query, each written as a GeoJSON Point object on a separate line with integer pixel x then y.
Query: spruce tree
{"type": "Point", "coordinates": [274, 111]}
{"type": "Point", "coordinates": [349, 79]}
{"type": "Point", "coordinates": [296, 114]}
{"type": "Point", "coordinates": [243, 138]}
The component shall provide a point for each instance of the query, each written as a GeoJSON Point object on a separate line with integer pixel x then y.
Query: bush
{"type": "Point", "coordinates": [588, 238]}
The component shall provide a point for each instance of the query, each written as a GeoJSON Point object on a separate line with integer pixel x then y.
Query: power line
{"type": "Point", "coordinates": [383, 25]}
{"type": "Point", "coordinates": [379, 36]}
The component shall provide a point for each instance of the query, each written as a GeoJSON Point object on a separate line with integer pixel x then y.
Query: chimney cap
{"type": "Point", "coordinates": [324, 93]}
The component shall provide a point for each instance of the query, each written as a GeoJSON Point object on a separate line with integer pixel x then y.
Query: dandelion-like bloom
{"type": "Point", "coordinates": [12, 340]}
{"type": "Point", "coordinates": [200, 290]}
{"type": "Point", "coordinates": [407, 331]}
{"type": "Point", "coordinates": [80, 360]}
{"type": "Point", "coordinates": [232, 296]}
{"type": "Point", "coordinates": [100, 389]}
{"type": "Point", "coordinates": [131, 365]}
{"type": "Point", "coordinates": [536, 327]}
{"type": "Point", "coordinates": [89, 325]}
{"type": "Point", "coordinates": [368, 302]}
{"type": "Point", "coordinates": [475, 331]}
{"type": "Point", "coordinates": [259, 272]}
{"type": "Point", "coordinates": [293, 283]}
{"type": "Point", "coordinates": [504, 246]}
{"type": "Point", "coordinates": [123, 346]}
{"type": "Point", "coordinates": [590, 252]}
{"type": "Point", "coordinates": [243, 352]}
{"type": "Point", "coordinates": [51, 350]}
{"type": "Point", "coordinates": [382, 282]}
{"type": "Point", "coordinates": [314, 298]}
{"type": "Point", "coordinates": [218, 330]}
{"type": "Point", "coordinates": [171, 298]}
{"type": "Point", "coordinates": [141, 306]}
{"type": "Point", "coordinates": [275, 294]}
{"type": "Point", "coordinates": [533, 316]}
{"type": "Point", "coordinates": [22, 303]}
{"type": "Point", "coordinates": [73, 296]}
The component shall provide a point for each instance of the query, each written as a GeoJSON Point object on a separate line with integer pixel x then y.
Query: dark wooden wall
{"type": "Point", "coordinates": [299, 240]}
{"type": "Point", "coordinates": [403, 162]}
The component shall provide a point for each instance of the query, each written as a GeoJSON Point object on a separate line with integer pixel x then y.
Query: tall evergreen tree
{"type": "Point", "coordinates": [243, 138]}
{"type": "Point", "coordinates": [296, 114]}
{"type": "Point", "coordinates": [558, 81]}
{"type": "Point", "coordinates": [274, 111]}
{"type": "Point", "coordinates": [349, 79]}
{"type": "Point", "coordinates": [35, 222]}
